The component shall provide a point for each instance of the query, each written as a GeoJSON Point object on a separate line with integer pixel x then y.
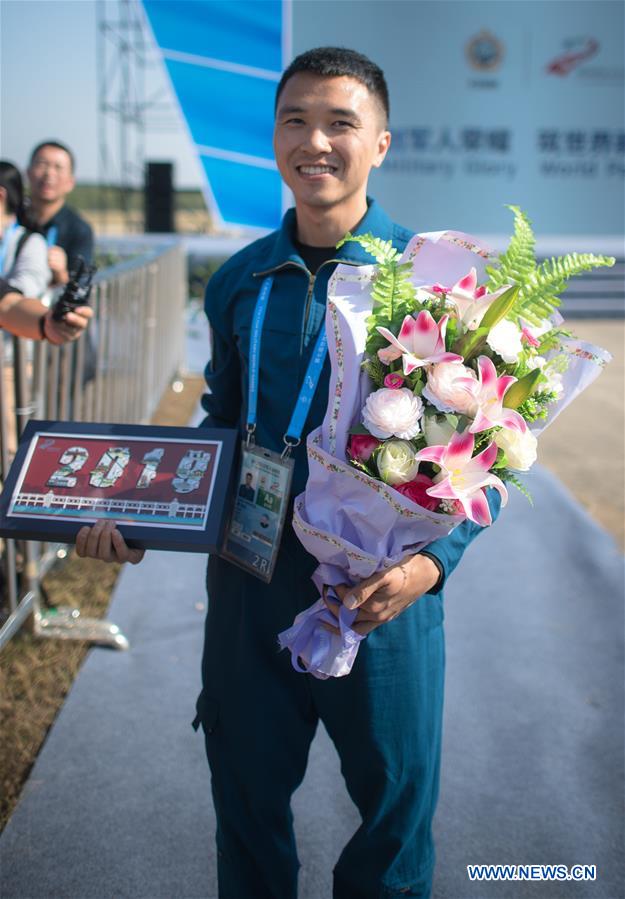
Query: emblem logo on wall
{"type": "Point", "coordinates": [485, 52]}
{"type": "Point", "coordinates": [578, 50]}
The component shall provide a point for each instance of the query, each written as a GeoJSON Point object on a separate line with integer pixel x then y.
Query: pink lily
{"type": "Point", "coordinates": [471, 301]}
{"type": "Point", "coordinates": [527, 334]}
{"type": "Point", "coordinates": [531, 333]}
{"type": "Point", "coordinates": [488, 392]}
{"type": "Point", "coordinates": [464, 478]}
{"type": "Point", "coordinates": [421, 341]}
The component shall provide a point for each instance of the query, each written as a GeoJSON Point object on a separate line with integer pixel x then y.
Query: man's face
{"type": "Point", "coordinates": [329, 133]}
{"type": "Point", "coordinates": [248, 480]}
{"type": "Point", "coordinates": [50, 175]}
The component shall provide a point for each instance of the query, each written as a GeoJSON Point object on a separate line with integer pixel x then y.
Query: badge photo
{"type": "Point", "coordinates": [261, 497]}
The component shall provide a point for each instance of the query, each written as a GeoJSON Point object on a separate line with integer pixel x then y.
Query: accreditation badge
{"type": "Point", "coordinates": [262, 492]}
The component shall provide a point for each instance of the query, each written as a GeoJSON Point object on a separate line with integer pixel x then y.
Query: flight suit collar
{"type": "Point", "coordinates": [375, 221]}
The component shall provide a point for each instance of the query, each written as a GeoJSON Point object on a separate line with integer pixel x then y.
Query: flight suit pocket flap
{"type": "Point", "coordinates": [207, 714]}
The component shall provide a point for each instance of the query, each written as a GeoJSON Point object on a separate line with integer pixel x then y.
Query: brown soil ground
{"type": "Point", "coordinates": [36, 674]}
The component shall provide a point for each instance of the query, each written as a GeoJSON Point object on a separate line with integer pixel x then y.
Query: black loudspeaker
{"type": "Point", "coordinates": [159, 197]}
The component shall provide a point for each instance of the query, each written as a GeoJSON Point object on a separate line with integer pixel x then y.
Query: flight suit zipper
{"type": "Point", "coordinates": [307, 308]}
{"type": "Point", "coordinates": [311, 286]}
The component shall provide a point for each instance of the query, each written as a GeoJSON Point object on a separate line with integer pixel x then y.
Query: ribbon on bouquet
{"type": "Point", "coordinates": [316, 650]}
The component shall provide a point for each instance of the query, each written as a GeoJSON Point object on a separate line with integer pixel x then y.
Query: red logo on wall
{"type": "Point", "coordinates": [569, 60]}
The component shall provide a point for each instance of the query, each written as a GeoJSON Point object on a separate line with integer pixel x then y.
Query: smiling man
{"type": "Point", "coordinates": [258, 715]}
{"type": "Point", "coordinates": [51, 177]}
{"type": "Point", "coordinates": [329, 134]}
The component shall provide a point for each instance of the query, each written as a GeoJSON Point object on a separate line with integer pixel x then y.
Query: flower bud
{"type": "Point", "coordinates": [394, 382]}
{"type": "Point", "coordinates": [396, 462]}
{"type": "Point", "coordinates": [361, 446]}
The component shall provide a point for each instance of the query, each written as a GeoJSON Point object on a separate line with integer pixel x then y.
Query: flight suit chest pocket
{"type": "Point", "coordinates": [279, 346]}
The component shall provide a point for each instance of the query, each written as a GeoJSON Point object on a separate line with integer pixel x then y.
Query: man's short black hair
{"type": "Point", "coordinates": [335, 62]}
{"type": "Point", "coordinates": [58, 146]}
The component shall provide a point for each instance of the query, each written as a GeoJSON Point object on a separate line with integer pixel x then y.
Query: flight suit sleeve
{"type": "Point", "coordinates": [449, 550]}
{"type": "Point", "coordinates": [222, 400]}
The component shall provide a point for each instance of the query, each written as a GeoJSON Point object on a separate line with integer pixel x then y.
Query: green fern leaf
{"type": "Point", "coordinates": [538, 295]}
{"type": "Point", "coordinates": [381, 250]}
{"type": "Point", "coordinates": [539, 285]}
{"type": "Point", "coordinates": [392, 288]}
{"type": "Point", "coordinates": [518, 261]}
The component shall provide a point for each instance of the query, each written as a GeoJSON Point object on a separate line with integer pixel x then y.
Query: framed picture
{"type": "Point", "coordinates": [167, 488]}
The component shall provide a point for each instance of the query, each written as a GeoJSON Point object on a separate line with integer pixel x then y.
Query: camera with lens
{"type": "Point", "coordinates": [77, 290]}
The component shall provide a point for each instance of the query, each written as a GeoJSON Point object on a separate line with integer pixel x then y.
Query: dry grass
{"type": "Point", "coordinates": [36, 674]}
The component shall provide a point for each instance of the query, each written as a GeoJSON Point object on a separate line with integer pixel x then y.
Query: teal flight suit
{"type": "Point", "coordinates": [258, 715]}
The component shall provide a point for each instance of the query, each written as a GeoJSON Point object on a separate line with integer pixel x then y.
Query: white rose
{"type": "Point", "coordinates": [520, 449]}
{"type": "Point", "coordinates": [396, 462]}
{"type": "Point", "coordinates": [437, 430]}
{"type": "Point", "coordinates": [443, 391]}
{"type": "Point", "coordinates": [505, 339]}
{"type": "Point", "coordinates": [392, 413]}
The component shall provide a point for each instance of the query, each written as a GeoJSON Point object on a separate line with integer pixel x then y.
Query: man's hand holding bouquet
{"type": "Point", "coordinates": [446, 363]}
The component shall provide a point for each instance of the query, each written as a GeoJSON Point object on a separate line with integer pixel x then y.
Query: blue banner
{"type": "Point", "coordinates": [224, 60]}
{"type": "Point", "coordinates": [491, 103]}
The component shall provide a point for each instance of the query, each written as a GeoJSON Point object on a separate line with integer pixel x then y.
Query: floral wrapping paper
{"type": "Point", "coordinates": [353, 524]}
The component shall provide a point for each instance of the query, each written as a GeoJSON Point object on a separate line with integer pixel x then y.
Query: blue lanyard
{"type": "Point", "coordinates": [257, 330]}
{"type": "Point", "coordinates": [6, 239]}
{"type": "Point", "coordinates": [311, 378]}
{"type": "Point", "coordinates": [51, 235]}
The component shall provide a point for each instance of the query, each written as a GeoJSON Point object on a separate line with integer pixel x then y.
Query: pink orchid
{"type": "Point", "coordinates": [464, 478]}
{"type": "Point", "coordinates": [471, 301]}
{"type": "Point", "coordinates": [488, 393]}
{"type": "Point", "coordinates": [421, 341]}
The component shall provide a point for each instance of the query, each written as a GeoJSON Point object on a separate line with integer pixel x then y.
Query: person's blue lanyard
{"type": "Point", "coordinates": [293, 434]}
{"type": "Point", "coordinates": [52, 235]}
{"type": "Point", "coordinates": [4, 243]}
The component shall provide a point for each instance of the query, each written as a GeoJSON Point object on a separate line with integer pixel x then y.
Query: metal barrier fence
{"type": "Point", "coordinates": [136, 347]}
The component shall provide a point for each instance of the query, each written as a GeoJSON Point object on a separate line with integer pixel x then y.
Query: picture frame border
{"type": "Point", "coordinates": [173, 539]}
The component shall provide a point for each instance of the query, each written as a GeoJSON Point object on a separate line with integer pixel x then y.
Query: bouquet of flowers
{"type": "Point", "coordinates": [446, 363]}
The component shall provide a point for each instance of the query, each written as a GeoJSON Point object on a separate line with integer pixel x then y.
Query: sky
{"type": "Point", "coordinates": [49, 89]}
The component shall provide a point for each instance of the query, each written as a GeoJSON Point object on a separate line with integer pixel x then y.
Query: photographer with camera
{"type": "Point", "coordinates": [64, 322]}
